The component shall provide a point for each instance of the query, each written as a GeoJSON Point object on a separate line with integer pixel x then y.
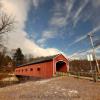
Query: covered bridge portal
{"type": "Point", "coordinates": [44, 67]}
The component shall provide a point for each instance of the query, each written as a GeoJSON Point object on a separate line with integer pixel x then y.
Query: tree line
{"type": "Point", "coordinates": [82, 65]}
{"type": "Point", "coordinates": [9, 63]}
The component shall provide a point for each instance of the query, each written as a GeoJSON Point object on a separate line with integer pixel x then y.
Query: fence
{"type": "Point", "coordinates": [85, 75]}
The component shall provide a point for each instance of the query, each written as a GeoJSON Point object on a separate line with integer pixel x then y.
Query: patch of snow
{"type": "Point", "coordinates": [43, 81]}
{"type": "Point", "coordinates": [63, 89]}
{"type": "Point", "coordinates": [73, 93]}
{"type": "Point", "coordinates": [10, 79]}
{"type": "Point", "coordinates": [55, 92]}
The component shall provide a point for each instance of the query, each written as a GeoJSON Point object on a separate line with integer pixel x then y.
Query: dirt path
{"type": "Point", "coordinates": [61, 88]}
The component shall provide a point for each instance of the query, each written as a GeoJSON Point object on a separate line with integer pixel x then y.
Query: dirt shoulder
{"type": "Point", "coordinates": [60, 88]}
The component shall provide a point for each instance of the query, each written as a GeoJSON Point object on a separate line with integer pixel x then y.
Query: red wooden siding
{"type": "Point", "coordinates": [43, 70]}
{"type": "Point", "coordinates": [61, 58]}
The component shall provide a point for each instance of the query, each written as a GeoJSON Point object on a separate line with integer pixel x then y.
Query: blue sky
{"type": "Point", "coordinates": [54, 25]}
{"type": "Point", "coordinates": [65, 21]}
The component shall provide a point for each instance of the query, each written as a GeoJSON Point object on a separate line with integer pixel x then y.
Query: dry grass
{"type": "Point", "coordinates": [61, 88]}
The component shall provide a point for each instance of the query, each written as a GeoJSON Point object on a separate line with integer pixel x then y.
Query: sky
{"type": "Point", "coordinates": [48, 27]}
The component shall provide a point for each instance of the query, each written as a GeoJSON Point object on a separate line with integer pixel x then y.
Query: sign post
{"type": "Point", "coordinates": [90, 59]}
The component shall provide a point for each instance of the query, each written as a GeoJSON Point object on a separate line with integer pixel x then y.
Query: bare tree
{"type": "Point", "coordinates": [6, 23]}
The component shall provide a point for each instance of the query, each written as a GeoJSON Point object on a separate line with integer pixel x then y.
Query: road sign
{"type": "Point", "coordinates": [90, 57]}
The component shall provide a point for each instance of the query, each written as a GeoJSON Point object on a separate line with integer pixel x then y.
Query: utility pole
{"type": "Point", "coordinates": [94, 55]}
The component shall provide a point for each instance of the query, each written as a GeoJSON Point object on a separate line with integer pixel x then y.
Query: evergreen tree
{"type": "Point", "coordinates": [18, 57]}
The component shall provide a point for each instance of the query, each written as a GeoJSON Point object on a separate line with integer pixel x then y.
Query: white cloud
{"type": "Point", "coordinates": [61, 13]}
{"type": "Point", "coordinates": [96, 3]}
{"type": "Point", "coordinates": [83, 54]}
{"type": "Point", "coordinates": [97, 52]}
{"type": "Point", "coordinates": [64, 14]}
{"type": "Point", "coordinates": [48, 34]}
{"type": "Point", "coordinates": [78, 40]}
{"type": "Point", "coordinates": [41, 41]}
{"type": "Point", "coordinates": [69, 6]}
{"type": "Point", "coordinates": [85, 13]}
{"type": "Point", "coordinates": [76, 18]}
{"type": "Point", "coordinates": [45, 36]}
{"type": "Point", "coordinates": [19, 9]}
{"type": "Point", "coordinates": [36, 3]}
{"type": "Point", "coordinates": [84, 36]}
{"type": "Point", "coordinates": [58, 21]}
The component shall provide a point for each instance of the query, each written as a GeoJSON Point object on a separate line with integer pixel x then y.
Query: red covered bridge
{"type": "Point", "coordinates": [44, 67]}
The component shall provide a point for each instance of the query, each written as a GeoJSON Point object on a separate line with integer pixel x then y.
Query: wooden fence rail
{"type": "Point", "coordinates": [86, 75]}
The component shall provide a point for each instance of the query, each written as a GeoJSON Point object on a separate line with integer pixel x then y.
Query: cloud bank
{"type": "Point", "coordinates": [18, 38]}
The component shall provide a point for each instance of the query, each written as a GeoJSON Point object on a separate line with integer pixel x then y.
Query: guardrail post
{"type": "Point", "coordinates": [78, 75]}
{"type": "Point", "coordinates": [95, 76]}
{"type": "Point", "coordinates": [68, 73]}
